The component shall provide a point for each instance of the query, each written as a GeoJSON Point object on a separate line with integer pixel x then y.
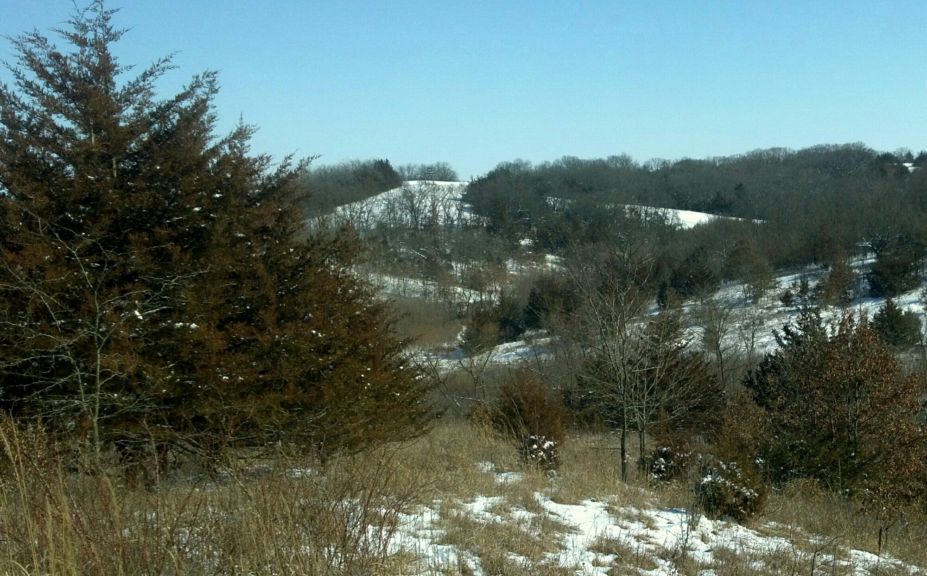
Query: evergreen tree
{"type": "Point", "coordinates": [897, 328]}
{"type": "Point", "coordinates": [697, 275]}
{"type": "Point", "coordinates": [156, 281]}
{"type": "Point", "coordinates": [837, 287]}
{"type": "Point", "coordinates": [841, 411]}
{"type": "Point", "coordinates": [897, 266]}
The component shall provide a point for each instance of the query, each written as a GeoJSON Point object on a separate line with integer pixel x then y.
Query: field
{"type": "Point", "coordinates": [456, 501]}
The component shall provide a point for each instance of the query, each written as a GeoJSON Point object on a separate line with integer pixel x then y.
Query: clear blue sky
{"type": "Point", "coordinates": [475, 83]}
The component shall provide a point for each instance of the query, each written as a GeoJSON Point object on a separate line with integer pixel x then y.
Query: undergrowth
{"type": "Point", "coordinates": [287, 516]}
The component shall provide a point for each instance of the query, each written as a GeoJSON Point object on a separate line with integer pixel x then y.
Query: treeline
{"type": "Point", "coordinates": [752, 185]}
{"type": "Point", "coordinates": [327, 187]}
{"type": "Point", "coordinates": [819, 205]}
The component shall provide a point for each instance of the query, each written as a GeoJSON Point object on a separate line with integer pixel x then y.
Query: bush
{"type": "Point", "coordinates": [540, 451]}
{"type": "Point", "coordinates": [731, 483]}
{"type": "Point", "coordinates": [670, 460]}
{"type": "Point", "coordinates": [481, 331]}
{"type": "Point", "coordinates": [838, 287]}
{"type": "Point", "coordinates": [526, 407]}
{"type": "Point", "coordinates": [696, 275]}
{"type": "Point", "coordinates": [488, 326]}
{"type": "Point", "coordinates": [667, 463]}
{"type": "Point", "coordinates": [549, 296]}
{"type": "Point", "coordinates": [728, 490]}
{"type": "Point", "coordinates": [895, 270]}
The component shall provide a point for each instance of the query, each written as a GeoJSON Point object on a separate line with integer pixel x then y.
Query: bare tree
{"type": "Point", "coordinates": [716, 319]}
{"type": "Point", "coordinates": [638, 367]}
{"type": "Point", "coordinates": [604, 331]}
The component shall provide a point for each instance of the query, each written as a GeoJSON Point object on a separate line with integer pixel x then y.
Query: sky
{"type": "Point", "coordinates": [475, 83]}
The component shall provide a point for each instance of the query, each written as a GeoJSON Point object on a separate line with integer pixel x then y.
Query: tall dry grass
{"type": "Point", "coordinates": [290, 518]}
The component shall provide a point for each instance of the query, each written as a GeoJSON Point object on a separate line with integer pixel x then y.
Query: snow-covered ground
{"type": "Point", "coordinates": [603, 535]}
{"type": "Point", "coordinates": [747, 326]}
{"type": "Point", "coordinates": [683, 219]}
{"type": "Point", "coordinates": [426, 289]}
{"type": "Point", "coordinates": [752, 325]}
{"type": "Point", "coordinates": [533, 347]}
{"type": "Point", "coordinates": [440, 202]}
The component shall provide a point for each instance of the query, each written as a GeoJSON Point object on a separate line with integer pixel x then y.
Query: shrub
{"type": "Point", "coordinates": [481, 332]}
{"type": "Point", "coordinates": [488, 326]}
{"type": "Point", "coordinates": [728, 490]}
{"type": "Point", "coordinates": [667, 463]}
{"type": "Point", "coordinates": [742, 429]}
{"type": "Point", "coordinates": [840, 410]}
{"type": "Point", "coordinates": [838, 287]}
{"type": "Point", "coordinates": [540, 451]}
{"type": "Point", "coordinates": [896, 269]}
{"type": "Point", "coordinates": [526, 407]}
{"type": "Point", "coordinates": [696, 275]}
{"type": "Point", "coordinates": [549, 296]}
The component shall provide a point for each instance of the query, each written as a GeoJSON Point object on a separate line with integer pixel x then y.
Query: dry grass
{"type": "Point", "coordinates": [805, 508]}
{"type": "Point", "coordinates": [590, 467]}
{"type": "Point", "coordinates": [426, 322]}
{"type": "Point", "coordinates": [622, 554]}
{"type": "Point", "coordinates": [286, 521]}
{"type": "Point", "coordinates": [296, 517]}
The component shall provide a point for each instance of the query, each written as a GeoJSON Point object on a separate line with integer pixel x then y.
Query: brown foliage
{"type": "Point", "coordinates": [527, 407]}
{"type": "Point", "coordinates": [156, 281]}
{"type": "Point", "coordinates": [840, 410]}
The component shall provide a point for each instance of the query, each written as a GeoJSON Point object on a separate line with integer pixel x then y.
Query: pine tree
{"type": "Point", "coordinates": [841, 411]}
{"type": "Point", "coordinates": [156, 282]}
{"type": "Point", "coordinates": [897, 328]}
{"type": "Point", "coordinates": [897, 266]}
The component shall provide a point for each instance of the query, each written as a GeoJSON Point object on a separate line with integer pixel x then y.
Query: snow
{"type": "Point", "coordinates": [419, 535]}
{"type": "Point", "coordinates": [416, 201]}
{"type": "Point", "coordinates": [531, 349]}
{"type": "Point", "coordinates": [758, 321]}
{"type": "Point", "coordinates": [412, 204]}
{"type": "Point", "coordinates": [684, 219]}
{"type": "Point", "coordinates": [659, 534]}
{"type": "Point", "coordinates": [428, 289]}
{"type": "Point", "coordinates": [508, 477]}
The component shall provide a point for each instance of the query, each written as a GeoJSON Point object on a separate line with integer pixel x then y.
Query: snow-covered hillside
{"type": "Point", "coordinates": [751, 325]}
{"type": "Point", "coordinates": [420, 201]}
{"type": "Point", "coordinates": [683, 219]}
{"type": "Point", "coordinates": [746, 326]}
{"type": "Point", "coordinates": [415, 203]}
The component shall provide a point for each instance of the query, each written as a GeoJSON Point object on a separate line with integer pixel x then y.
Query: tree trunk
{"type": "Point", "coordinates": [624, 452]}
